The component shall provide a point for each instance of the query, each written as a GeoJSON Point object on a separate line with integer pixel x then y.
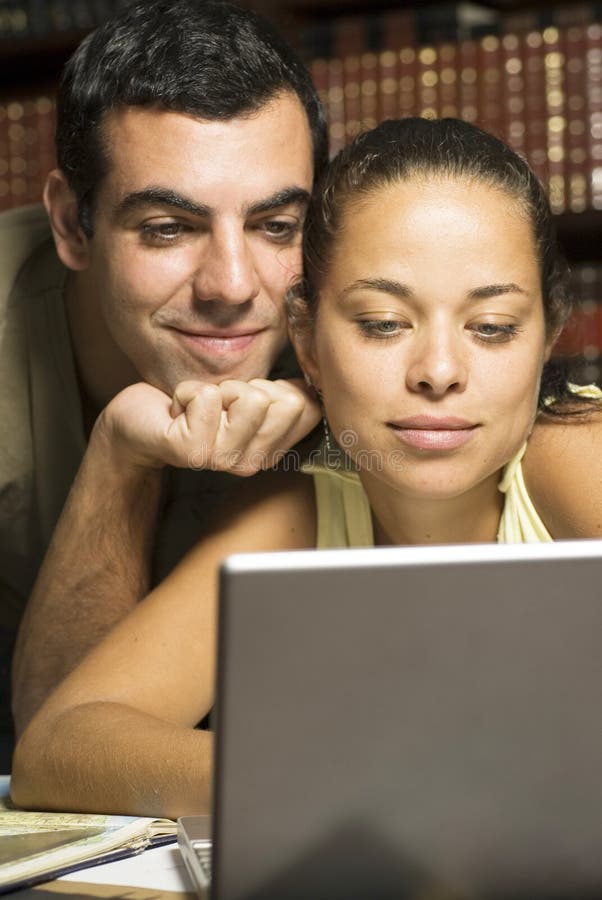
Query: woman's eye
{"type": "Point", "coordinates": [381, 328]}
{"type": "Point", "coordinates": [494, 333]}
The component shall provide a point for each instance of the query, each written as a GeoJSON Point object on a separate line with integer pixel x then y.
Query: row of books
{"type": "Point", "coordinates": [423, 22]}
{"type": "Point", "coordinates": [26, 149]}
{"type": "Point", "coordinates": [427, 23]}
{"type": "Point", "coordinates": [21, 19]}
{"type": "Point", "coordinates": [541, 91]}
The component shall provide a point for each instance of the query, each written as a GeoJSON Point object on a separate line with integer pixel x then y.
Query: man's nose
{"type": "Point", "coordinates": [227, 270]}
{"type": "Point", "coordinates": [439, 362]}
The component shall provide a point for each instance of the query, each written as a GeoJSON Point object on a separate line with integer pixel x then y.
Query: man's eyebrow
{"type": "Point", "coordinates": [385, 285]}
{"type": "Point", "coordinates": [157, 196]}
{"type": "Point", "coordinates": [495, 290]}
{"type": "Point", "coordinates": [286, 197]}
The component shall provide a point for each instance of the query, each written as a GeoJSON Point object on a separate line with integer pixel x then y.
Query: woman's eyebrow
{"type": "Point", "coordinates": [385, 285]}
{"type": "Point", "coordinates": [495, 290]}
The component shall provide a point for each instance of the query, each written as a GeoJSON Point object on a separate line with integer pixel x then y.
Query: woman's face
{"type": "Point", "coordinates": [430, 336]}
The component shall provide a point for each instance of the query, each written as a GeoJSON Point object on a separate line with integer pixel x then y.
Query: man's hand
{"type": "Point", "coordinates": [238, 427]}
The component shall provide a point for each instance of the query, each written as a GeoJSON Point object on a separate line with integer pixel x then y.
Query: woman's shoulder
{"type": "Point", "coordinates": [563, 472]}
{"type": "Point", "coordinates": [273, 510]}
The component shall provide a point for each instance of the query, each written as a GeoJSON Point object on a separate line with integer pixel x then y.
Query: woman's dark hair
{"type": "Point", "coordinates": [403, 149]}
{"type": "Point", "coordinates": [203, 58]}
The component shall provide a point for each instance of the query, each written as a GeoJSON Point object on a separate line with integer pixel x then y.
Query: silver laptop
{"type": "Point", "coordinates": [408, 723]}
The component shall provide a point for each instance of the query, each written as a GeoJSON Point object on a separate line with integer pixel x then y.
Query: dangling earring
{"type": "Point", "coordinates": [327, 435]}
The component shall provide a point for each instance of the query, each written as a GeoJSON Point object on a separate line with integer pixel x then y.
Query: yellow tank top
{"type": "Point", "coordinates": [345, 519]}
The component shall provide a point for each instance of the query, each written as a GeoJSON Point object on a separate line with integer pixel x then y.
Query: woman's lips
{"type": "Point", "coordinates": [433, 433]}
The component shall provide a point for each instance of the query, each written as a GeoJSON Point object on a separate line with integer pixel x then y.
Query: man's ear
{"type": "Point", "coordinates": [72, 245]}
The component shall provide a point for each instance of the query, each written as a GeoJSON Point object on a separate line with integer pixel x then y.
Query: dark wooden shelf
{"type": "Point", "coordinates": [29, 62]}
{"type": "Point", "coordinates": [581, 234]}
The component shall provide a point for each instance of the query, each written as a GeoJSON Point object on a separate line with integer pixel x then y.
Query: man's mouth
{"type": "Point", "coordinates": [219, 341]}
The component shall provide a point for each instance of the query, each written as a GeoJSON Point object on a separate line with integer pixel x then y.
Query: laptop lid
{"type": "Point", "coordinates": [410, 722]}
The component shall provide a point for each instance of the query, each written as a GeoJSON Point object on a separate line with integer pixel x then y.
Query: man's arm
{"type": "Point", "coordinates": [98, 563]}
{"type": "Point", "coordinates": [117, 735]}
{"type": "Point", "coordinates": [96, 569]}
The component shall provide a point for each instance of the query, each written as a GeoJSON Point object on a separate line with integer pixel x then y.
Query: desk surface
{"type": "Point", "coordinates": [156, 874]}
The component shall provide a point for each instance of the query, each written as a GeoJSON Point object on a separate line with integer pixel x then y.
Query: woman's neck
{"type": "Point", "coordinates": [468, 519]}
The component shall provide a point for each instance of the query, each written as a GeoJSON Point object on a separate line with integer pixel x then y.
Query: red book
{"type": "Point", "coordinates": [514, 94]}
{"type": "Point", "coordinates": [351, 91]}
{"type": "Point", "coordinates": [447, 85]}
{"type": "Point", "coordinates": [490, 84]}
{"type": "Point", "coordinates": [468, 70]}
{"type": "Point", "coordinates": [398, 29]}
{"type": "Point", "coordinates": [576, 155]}
{"type": "Point", "coordinates": [4, 174]}
{"type": "Point", "coordinates": [17, 182]}
{"type": "Point", "coordinates": [593, 74]}
{"type": "Point", "coordinates": [368, 90]}
{"type": "Point", "coordinates": [536, 119]}
{"type": "Point", "coordinates": [336, 106]}
{"type": "Point", "coordinates": [556, 118]}
{"type": "Point", "coordinates": [427, 78]}
{"type": "Point", "coordinates": [348, 36]}
{"type": "Point", "coordinates": [388, 86]}
{"type": "Point", "coordinates": [407, 61]}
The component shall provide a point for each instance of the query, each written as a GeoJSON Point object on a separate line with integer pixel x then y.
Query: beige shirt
{"type": "Point", "coordinates": [40, 416]}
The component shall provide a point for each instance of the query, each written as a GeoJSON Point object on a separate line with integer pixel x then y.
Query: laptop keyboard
{"type": "Point", "coordinates": [202, 849]}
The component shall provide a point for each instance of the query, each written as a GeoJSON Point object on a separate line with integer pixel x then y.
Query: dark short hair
{"type": "Point", "coordinates": [411, 148]}
{"type": "Point", "coordinates": [202, 58]}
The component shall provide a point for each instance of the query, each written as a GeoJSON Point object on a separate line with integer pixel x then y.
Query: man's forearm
{"type": "Point", "coordinates": [96, 569]}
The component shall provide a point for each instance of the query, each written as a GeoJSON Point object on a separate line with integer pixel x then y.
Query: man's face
{"type": "Point", "coordinates": [197, 237]}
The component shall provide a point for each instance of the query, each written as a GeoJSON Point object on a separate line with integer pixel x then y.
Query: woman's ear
{"type": "Point", "coordinates": [302, 342]}
{"type": "Point", "coordinates": [550, 342]}
{"type": "Point", "coordinates": [72, 245]}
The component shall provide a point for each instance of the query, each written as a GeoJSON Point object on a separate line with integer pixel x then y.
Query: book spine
{"type": "Point", "coordinates": [388, 86]}
{"type": "Point", "coordinates": [536, 125]}
{"type": "Point", "coordinates": [336, 106]}
{"type": "Point", "coordinates": [16, 153]}
{"type": "Point", "coordinates": [448, 87]}
{"type": "Point", "coordinates": [427, 78]}
{"type": "Point", "coordinates": [577, 182]}
{"type": "Point", "coordinates": [398, 29]}
{"type": "Point", "coordinates": [4, 163]}
{"type": "Point", "coordinates": [554, 64]}
{"type": "Point", "coordinates": [593, 76]}
{"type": "Point", "coordinates": [368, 90]}
{"type": "Point", "coordinates": [490, 84]}
{"type": "Point", "coordinates": [514, 94]}
{"type": "Point", "coordinates": [469, 95]}
{"type": "Point", "coordinates": [408, 89]}
{"type": "Point", "coordinates": [352, 96]}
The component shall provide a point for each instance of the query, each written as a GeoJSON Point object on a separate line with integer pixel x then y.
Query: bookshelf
{"type": "Point", "coordinates": [530, 72]}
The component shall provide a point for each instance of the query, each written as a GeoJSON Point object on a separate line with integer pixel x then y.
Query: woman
{"type": "Point", "coordinates": [432, 299]}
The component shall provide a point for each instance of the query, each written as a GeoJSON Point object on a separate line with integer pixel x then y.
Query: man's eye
{"type": "Point", "coordinates": [280, 230]}
{"type": "Point", "coordinates": [163, 232]}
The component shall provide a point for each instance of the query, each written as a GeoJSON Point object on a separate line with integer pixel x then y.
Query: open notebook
{"type": "Point", "coordinates": [38, 846]}
{"type": "Point", "coordinates": [409, 722]}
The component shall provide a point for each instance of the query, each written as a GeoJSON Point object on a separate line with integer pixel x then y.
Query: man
{"type": "Point", "coordinates": [187, 139]}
